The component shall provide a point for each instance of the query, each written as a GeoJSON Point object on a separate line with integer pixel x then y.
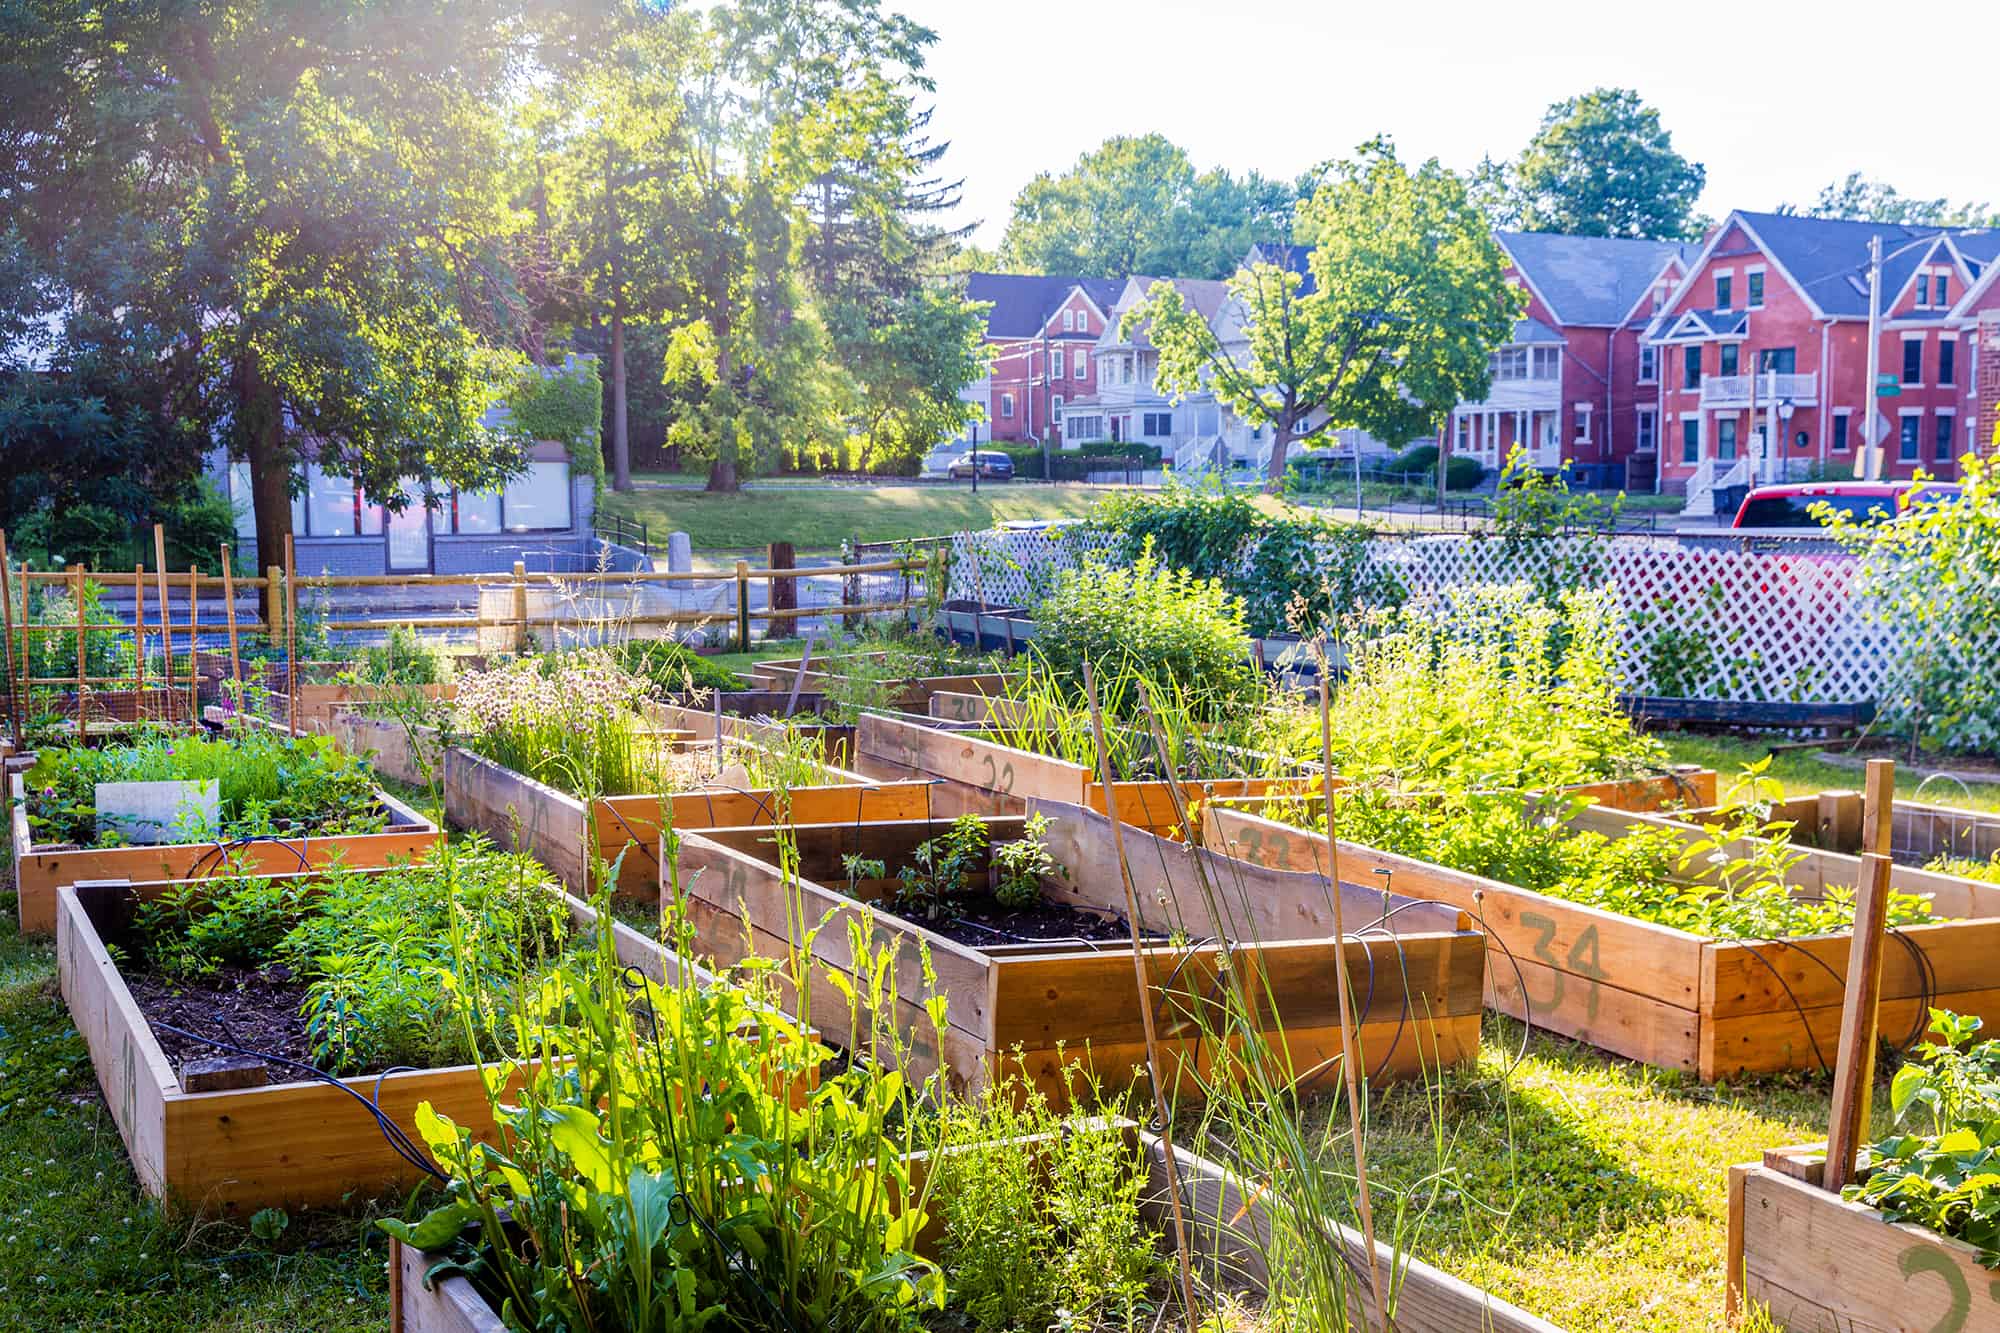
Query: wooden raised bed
{"type": "Point", "coordinates": [1418, 1010]}
{"type": "Point", "coordinates": [281, 1145]}
{"type": "Point", "coordinates": [39, 869]}
{"type": "Point", "coordinates": [1664, 996]}
{"type": "Point", "coordinates": [1919, 831]}
{"type": "Point", "coordinates": [1228, 1227]}
{"type": "Point", "coordinates": [912, 694]}
{"type": "Point", "coordinates": [522, 814]}
{"type": "Point", "coordinates": [397, 751]}
{"type": "Point", "coordinates": [763, 717]}
{"type": "Point", "coordinates": [1817, 1262]}
{"type": "Point", "coordinates": [982, 776]}
{"type": "Point", "coordinates": [319, 703]}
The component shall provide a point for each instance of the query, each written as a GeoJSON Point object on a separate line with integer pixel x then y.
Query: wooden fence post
{"type": "Point", "coordinates": [82, 653]}
{"type": "Point", "coordinates": [274, 605]}
{"type": "Point", "coordinates": [742, 606]}
{"type": "Point", "coordinates": [1854, 1059]}
{"type": "Point", "coordinates": [229, 603]}
{"type": "Point", "coordinates": [166, 618]}
{"type": "Point", "coordinates": [194, 644]}
{"type": "Point", "coordinates": [520, 607]}
{"type": "Point", "coordinates": [7, 627]}
{"type": "Point", "coordinates": [291, 639]}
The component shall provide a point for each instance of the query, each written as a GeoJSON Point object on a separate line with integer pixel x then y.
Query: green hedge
{"type": "Point", "coordinates": [1075, 464]}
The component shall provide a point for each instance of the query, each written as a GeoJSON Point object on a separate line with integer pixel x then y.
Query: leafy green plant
{"type": "Point", "coordinates": [404, 660]}
{"type": "Point", "coordinates": [269, 784]}
{"type": "Point", "coordinates": [941, 868]}
{"type": "Point", "coordinates": [1949, 1178]}
{"type": "Point", "coordinates": [1022, 864]}
{"type": "Point", "coordinates": [672, 668]}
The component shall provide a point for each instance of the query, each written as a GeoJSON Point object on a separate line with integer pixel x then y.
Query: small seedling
{"type": "Point", "coordinates": [1022, 865]}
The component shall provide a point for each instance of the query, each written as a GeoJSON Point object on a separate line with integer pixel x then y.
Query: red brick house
{"type": "Point", "coordinates": [1574, 382]}
{"type": "Point", "coordinates": [1765, 340]}
{"type": "Point", "coordinates": [1041, 331]}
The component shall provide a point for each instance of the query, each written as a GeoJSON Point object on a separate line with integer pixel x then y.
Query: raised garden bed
{"type": "Point", "coordinates": [402, 753]}
{"type": "Point", "coordinates": [285, 1144]}
{"type": "Point", "coordinates": [911, 693]}
{"type": "Point", "coordinates": [762, 715]}
{"type": "Point", "coordinates": [980, 775]}
{"type": "Point", "coordinates": [1418, 1009]}
{"type": "Point", "coordinates": [319, 703]}
{"type": "Point", "coordinates": [1668, 997]}
{"type": "Point", "coordinates": [39, 868]}
{"type": "Point", "coordinates": [1227, 1224]}
{"type": "Point", "coordinates": [1919, 831]}
{"type": "Point", "coordinates": [560, 830]}
{"type": "Point", "coordinates": [1816, 1261]}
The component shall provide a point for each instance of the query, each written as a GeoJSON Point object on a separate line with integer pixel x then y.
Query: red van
{"type": "Point", "coordinates": [1791, 505]}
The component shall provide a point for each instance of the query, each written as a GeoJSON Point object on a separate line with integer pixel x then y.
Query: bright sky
{"type": "Point", "coordinates": [1776, 100]}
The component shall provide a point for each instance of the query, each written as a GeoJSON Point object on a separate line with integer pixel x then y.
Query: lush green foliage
{"type": "Point", "coordinates": [1041, 1226]}
{"type": "Point", "coordinates": [1409, 299]}
{"type": "Point", "coordinates": [1933, 578]}
{"type": "Point", "coordinates": [672, 668]}
{"type": "Point", "coordinates": [404, 660]}
{"type": "Point", "coordinates": [1600, 165]}
{"type": "Point", "coordinates": [375, 950]}
{"type": "Point", "coordinates": [677, 1144]}
{"type": "Point", "coordinates": [270, 785]}
{"type": "Point", "coordinates": [1174, 630]}
{"type": "Point", "coordinates": [869, 673]}
{"type": "Point", "coordinates": [1860, 199]}
{"type": "Point", "coordinates": [944, 868]}
{"type": "Point", "coordinates": [1022, 864]}
{"type": "Point", "coordinates": [1947, 1179]}
{"type": "Point", "coordinates": [52, 652]}
{"type": "Point", "coordinates": [562, 403]}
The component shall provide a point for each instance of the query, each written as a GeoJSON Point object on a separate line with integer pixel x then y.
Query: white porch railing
{"type": "Point", "coordinates": [1771, 387]}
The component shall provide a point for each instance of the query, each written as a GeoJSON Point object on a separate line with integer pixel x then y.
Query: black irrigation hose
{"type": "Point", "coordinates": [399, 1142]}
{"type": "Point", "coordinates": [218, 854]}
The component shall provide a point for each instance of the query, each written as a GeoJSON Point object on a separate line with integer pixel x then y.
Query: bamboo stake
{"type": "Point", "coordinates": [229, 604]}
{"type": "Point", "coordinates": [291, 638]}
{"type": "Point", "coordinates": [76, 592]}
{"type": "Point", "coordinates": [166, 612]}
{"type": "Point", "coordinates": [138, 637]}
{"type": "Point", "coordinates": [7, 627]}
{"type": "Point", "coordinates": [1145, 998]}
{"type": "Point", "coordinates": [1350, 1058]}
{"type": "Point", "coordinates": [194, 649]}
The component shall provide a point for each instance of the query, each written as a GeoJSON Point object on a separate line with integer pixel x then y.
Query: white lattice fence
{"type": "Point", "coordinates": [1702, 621]}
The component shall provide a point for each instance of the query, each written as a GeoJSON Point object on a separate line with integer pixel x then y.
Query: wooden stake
{"type": "Point", "coordinates": [166, 607]}
{"type": "Point", "coordinates": [229, 605]}
{"type": "Point", "coordinates": [138, 637]}
{"type": "Point", "coordinates": [76, 594]}
{"type": "Point", "coordinates": [1860, 1007]}
{"type": "Point", "coordinates": [1104, 775]}
{"type": "Point", "coordinates": [194, 618]}
{"type": "Point", "coordinates": [1350, 1056]}
{"type": "Point", "coordinates": [7, 627]}
{"type": "Point", "coordinates": [292, 637]}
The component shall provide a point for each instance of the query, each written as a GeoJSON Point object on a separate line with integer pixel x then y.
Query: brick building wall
{"type": "Point", "coordinates": [1988, 387]}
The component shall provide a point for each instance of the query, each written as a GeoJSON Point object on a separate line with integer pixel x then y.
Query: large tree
{"type": "Point", "coordinates": [1409, 300]}
{"type": "Point", "coordinates": [1137, 205]}
{"type": "Point", "coordinates": [301, 205]}
{"type": "Point", "coordinates": [1600, 165]}
{"type": "Point", "coordinates": [1863, 200]}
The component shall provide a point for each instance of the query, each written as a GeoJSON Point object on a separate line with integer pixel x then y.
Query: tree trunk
{"type": "Point", "coordinates": [621, 440]}
{"type": "Point", "coordinates": [722, 472]}
{"type": "Point", "coordinates": [1281, 443]}
{"type": "Point", "coordinates": [270, 461]}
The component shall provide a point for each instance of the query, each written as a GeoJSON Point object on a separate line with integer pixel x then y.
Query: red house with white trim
{"type": "Point", "coordinates": [1041, 332]}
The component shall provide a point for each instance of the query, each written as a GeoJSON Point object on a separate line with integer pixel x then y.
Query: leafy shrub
{"type": "Point", "coordinates": [1020, 866]}
{"type": "Point", "coordinates": [404, 660]}
{"type": "Point", "coordinates": [269, 785]}
{"type": "Point", "coordinates": [1462, 472]}
{"type": "Point", "coordinates": [1171, 628]}
{"type": "Point", "coordinates": [1078, 463]}
{"type": "Point", "coordinates": [672, 668]}
{"type": "Point", "coordinates": [1419, 460]}
{"type": "Point", "coordinates": [941, 869]}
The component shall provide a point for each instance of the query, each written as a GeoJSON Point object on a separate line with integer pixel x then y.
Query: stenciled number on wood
{"type": "Point", "coordinates": [1930, 1259]}
{"type": "Point", "coordinates": [999, 777]}
{"type": "Point", "coordinates": [1583, 961]}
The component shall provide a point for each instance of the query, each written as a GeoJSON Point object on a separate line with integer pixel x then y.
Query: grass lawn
{"type": "Point", "coordinates": [1803, 772]}
{"type": "Point", "coordinates": [818, 518]}
{"type": "Point", "coordinates": [1589, 1190]}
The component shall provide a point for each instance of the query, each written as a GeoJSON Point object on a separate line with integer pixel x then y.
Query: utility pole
{"type": "Point", "coordinates": [1868, 458]}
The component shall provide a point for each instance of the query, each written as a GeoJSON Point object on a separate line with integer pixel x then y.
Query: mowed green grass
{"type": "Point", "coordinates": [1803, 772]}
{"type": "Point", "coordinates": [819, 518]}
{"type": "Point", "coordinates": [81, 1247]}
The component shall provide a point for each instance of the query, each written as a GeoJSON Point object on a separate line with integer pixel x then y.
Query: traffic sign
{"type": "Point", "coordinates": [1887, 386]}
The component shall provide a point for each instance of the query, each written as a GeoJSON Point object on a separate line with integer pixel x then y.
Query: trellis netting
{"type": "Point", "coordinates": [1701, 620]}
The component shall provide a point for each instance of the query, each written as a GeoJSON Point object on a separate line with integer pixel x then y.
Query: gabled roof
{"type": "Point", "coordinates": [1588, 280]}
{"type": "Point", "coordinates": [1023, 302]}
{"type": "Point", "coordinates": [1204, 296]}
{"type": "Point", "coordinates": [1532, 330]}
{"type": "Point", "coordinates": [1827, 258]}
{"type": "Point", "coordinates": [1698, 325]}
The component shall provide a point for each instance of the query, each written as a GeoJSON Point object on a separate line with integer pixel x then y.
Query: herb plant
{"type": "Point", "coordinates": [1021, 865]}
{"type": "Point", "coordinates": [941, 868]}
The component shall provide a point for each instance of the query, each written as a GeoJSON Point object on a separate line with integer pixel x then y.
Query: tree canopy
{"type": "Point", "coordinates": [1409, 299]}
{"type": "Point", "coordinates": [1601, 164]}
{"type": "Point", "coordinates": [1858, 198]}
{"type": "Point", "coordinates": [1137, 205]}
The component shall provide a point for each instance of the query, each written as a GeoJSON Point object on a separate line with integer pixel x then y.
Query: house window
{"type": "Point", "coordinates": [1649, 363]}
{"type": "Point", "coordinates": [1913, 429]}
{"type": "Point", "coordinates": [1725, 439]}
{"type": "Point", "coordinates": [1055, 408]}
{"type": "Point", "coordinates": [1691, 366]}
{"type": "Point", "coordinates": [1731, 355]}
{"type": "Point", "coordinates": [1913, 360]}
{"type": "Point", "coordinates": [1941, 451]}
{"type": "Point", "coordinates": [1157, 423]}
{"type": "Point", "coordinates": [1943, 298]}
{"type": "Point", "coordinates": [1547, 363]}
{"type": "Point", "coordinates": [1947, 360]}
{"type": "Point", "coordinates": [1782, 360]}
{"type": "Point", "coordinates": [1754, 289]}
{"type": "Point", "coordinates": [1069, 321]}
{"type": "Point", "coordinates": [1723, 283]}
{"type": "Point", "coordinates": [1583, 423]}
{"type": "Point", "coordinates": [1840, 420]}
{"type": "Point", "coordinates": [1646, 432]}
{"type": "Point", "coordinates": [1691, 440]}
{"type": "Point", "coordinates": [1510, 363]}
{"type": "Point", "coordinates": [537, 500]}
{"type": "Point", "coordinates": [334, 508]}
{"type": "Point", "coordinates": [1079, 364]}
{"type": "Point", "coordinates": [1006, 404]}
{"type": "Point", "coordinates": [476, 512]}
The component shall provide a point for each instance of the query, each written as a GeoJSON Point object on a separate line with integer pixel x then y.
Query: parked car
{"type": "Point", "coordinates": [1791, 505]}
{"type": "Point", "coordinates": [989, 463]}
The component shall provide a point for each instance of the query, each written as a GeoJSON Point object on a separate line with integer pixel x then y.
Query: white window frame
{"type": "Point", "coordinates": [1758, 303]}
{"type": "Point", "coordinates": [1949, 336]}
{"type": "Point", "coordinates": [1552, 356]}
{"type": "Point", "coordinates": [1006, 404]}
{"type": "Point", "coordinates": [1736, 442]}
{"type": "Point", "coordinates": [1716, 278]}
{"type": "Point", "coordinates": [1646, 431]}
{"type": "Point", "coordinates": [1700, 439]}
{"type": "Point", "coordinates": [1840, 442]}
{"type": "Point", "coordinates": [1583, 423]}
{"type": "Point", "coordinates": [1944, 414]}
{"type": "Point", "coordinates": [1915, 414]}
{"type": "Point", "coordinates": [1649, 352]}
{"type": "Point", "coordinates": [1069, 321]}
{"type": "Point", "coordinates": [1901, 370]}
{"type": "Point", "coordinates": [1079, 366]}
